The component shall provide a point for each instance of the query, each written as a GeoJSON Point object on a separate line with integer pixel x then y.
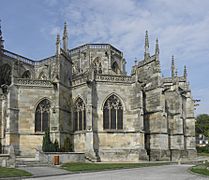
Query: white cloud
{"type": "Point", "coordinates": [55, 31]}
{"type": "Point", "coordinates": [182, 27]}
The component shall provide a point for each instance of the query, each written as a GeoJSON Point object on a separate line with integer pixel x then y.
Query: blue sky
{"type": "Point", "coordinates": [182, 27]}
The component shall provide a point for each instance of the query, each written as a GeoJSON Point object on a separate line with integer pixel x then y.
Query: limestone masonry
{"type": "Point", "coordinates": [84, 94]}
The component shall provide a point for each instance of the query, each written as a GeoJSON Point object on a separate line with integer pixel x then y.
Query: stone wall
{"type": "Point", "coordinates": [21, 125]}
{"type": "Point", "coordinates": [109, 144]}
{"type": "Point", "coordinates": [64, 157]}
{"type": "Point", "coordinates": [8, 160]}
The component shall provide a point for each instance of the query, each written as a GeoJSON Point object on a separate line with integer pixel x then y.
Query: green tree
{"type": "Point", "coordinates": [56, 146]}
{"type": "Point", "coordinates": [47, 145]}
{"type": "Point", "coordinates": [0, 148]}
{"type": "Point", "coordinates": [67, 147]}
{"type": "Point", "coordinates": [202, 124]}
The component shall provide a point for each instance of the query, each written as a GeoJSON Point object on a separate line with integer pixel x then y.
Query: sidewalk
{"type": "Point", "coordinates": [44, 171]}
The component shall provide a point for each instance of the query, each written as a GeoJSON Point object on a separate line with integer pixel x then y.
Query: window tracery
{"type": "Point", "coordinates": [42, 116]}
{"type": "Point", "coordinates": [97, 65]}
{"type": "Point", "coordinates": [113, 113]}
{"type": "Point", "coordinates": [115, 67]}
{"type": "Point", "coordinates": [5, 74]}
{"type": "Point", "coordinates": [42, 76]}
{"type": "Point", "coordinates": [79, 115]}
{"type": "Point", "coordinates": [26, 74]}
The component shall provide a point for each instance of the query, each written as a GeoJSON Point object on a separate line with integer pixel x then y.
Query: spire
{"type": "Point", "coordinates": [146, 46]}
{"type": "Point", "coordinates": [157, 50]}
{"type": "Point", "coordinates": [185, 72]}
{"type": "Point", "coordinates": [176, 73]}
{"type": "Point", "coordinates": [58, 45]}
{"type": "Point", "coordinates": [173, 67]}
{"type": "Point", "coordinates": [65, 37]}
{"type": "Point", "coordinates": [1, 38]}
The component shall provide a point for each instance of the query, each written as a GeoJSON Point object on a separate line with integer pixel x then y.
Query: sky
{"type": "Point", "coordinates": [182, 27]}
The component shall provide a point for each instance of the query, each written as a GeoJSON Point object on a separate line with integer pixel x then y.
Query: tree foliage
{"type": "Point", "coordinates": [56, 145]}
{"type": "Point", "coordinates": [48, 145]}
{"type": "Point", "coordinates": [0, 148]}
{"type": "Point", "coordinates": [202, 125]}
{"type": "Point", "coordinates": [68, 146]}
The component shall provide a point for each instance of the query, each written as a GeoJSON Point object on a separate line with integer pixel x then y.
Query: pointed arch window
{"type": "Point", "coordinates": [113, 113]}
{"type": "Point", "coordinates": [42, 116]}
{"type": "Point", "coordinates": [42, 76]}
{"type": "Point", "coordinates": [79, 115]}
{"type": "Point", "coordinates": [115, 67]}
{"type": "Point", "coordinates": [26, 74]}
{"type": "Point", "coordinates": [5, 74]}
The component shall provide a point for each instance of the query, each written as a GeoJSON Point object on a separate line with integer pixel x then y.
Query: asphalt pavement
{"type": "Point", "coordinates": [165, 172]}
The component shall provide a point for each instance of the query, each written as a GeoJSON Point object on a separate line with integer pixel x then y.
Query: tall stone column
{"type": "Point", "coordinates": [190, 144]}
{"type": "Point", "coordinates": [156, 126]}
{"type": "Point", "coordinates": [11, 117]}
{"type": "Point", "coordinates": [90, 152]}
{"type": "Point", "coordinates": [2, 122]}
{"type": "Point", "coordinates": [139, 124]}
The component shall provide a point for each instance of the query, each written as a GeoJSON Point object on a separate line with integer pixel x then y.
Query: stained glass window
{"type": "Point", "coordinates": [42, 116]}
{"type": "Point", "coordinates": [113, 113]}
{"type": "Point", "coordinates": [79, 115]}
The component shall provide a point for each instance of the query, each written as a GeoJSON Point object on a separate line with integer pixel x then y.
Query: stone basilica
{"type": "Point", "coordinates": [84, 94]}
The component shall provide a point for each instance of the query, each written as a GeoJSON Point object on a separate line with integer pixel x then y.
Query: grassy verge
{"type": "Point", "coordinates": [12, 172]}
{"type": "Point", "coordinates": [203, 154]}
{"type": "Point", "coordinates": [201, 169]}
{"type": "Point", "coordinates": [78, 167]}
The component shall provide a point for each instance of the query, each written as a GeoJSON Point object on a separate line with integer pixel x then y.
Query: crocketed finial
{"type": "Point", "coordinates": [146, 46]}
{"type": "Point", "coordinates": [65, 38]}
{"type": "Point", "coordinates": [1, 38]}
{"type": "Point", "coordinates": [172, 67]}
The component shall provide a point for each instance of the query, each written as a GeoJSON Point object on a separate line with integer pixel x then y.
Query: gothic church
{"type": "Point", "coordinates": [85, 94]}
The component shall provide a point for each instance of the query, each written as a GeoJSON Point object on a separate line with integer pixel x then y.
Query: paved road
{"type": "Point", "coordinates": [170, 172]}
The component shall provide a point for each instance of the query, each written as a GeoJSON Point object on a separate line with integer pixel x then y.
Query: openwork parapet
{"type": "Point", "coordinates": [113, 78]}
{"type": "Point", "coordinates": [32, 82]}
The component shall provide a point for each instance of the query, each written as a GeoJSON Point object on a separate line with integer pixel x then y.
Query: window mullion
{"type": "Point", "coordinates": [109, 109]}
{"type": "Point", "coordinates": [41, 120]}
{"type": "Point", "coordinates": [116, 118]}
{"type": "Point", "coordinates": [78, 120]}
{"type": "Point", "coordinates": [82, 119]}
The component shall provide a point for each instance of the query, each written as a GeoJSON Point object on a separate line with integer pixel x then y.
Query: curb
{"type": "Point", "coordinates": [189, 170]}
{"type": "Point", "coordinates": [33, 176]}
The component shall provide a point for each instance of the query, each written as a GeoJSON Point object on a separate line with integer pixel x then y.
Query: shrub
{"type": "Point", "coordinates": [0, 148]}
{"type": "Point", "coordinates": [46, 141]}
{"type": "Point", "coordinates": [47, 145]}
{"type": "Point", "coordinates": [203, 149]}
{"type": "Point", "coordinates": [67, 147]}
{"type": "Point", "coordinates": [56, 146]}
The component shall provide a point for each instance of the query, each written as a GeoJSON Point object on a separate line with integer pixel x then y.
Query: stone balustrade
{"type": "Point", "coordinates": [82, 79]}
{"type": "Point", "coordinates": [18, 57]}
{"type": "Point", "coordinates": [114, 78]}
{"type": "Point", "coordinates": [32, 82]}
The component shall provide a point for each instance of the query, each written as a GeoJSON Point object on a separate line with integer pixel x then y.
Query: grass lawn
{"type": "Point", "coordinates": [12, 172]}
{"type": "Point", "coordinates": [203, 154]}
{"type": "Point", "coordinates": [78, 167]}
{"type": "Point", "coordinates": [201, 169]}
